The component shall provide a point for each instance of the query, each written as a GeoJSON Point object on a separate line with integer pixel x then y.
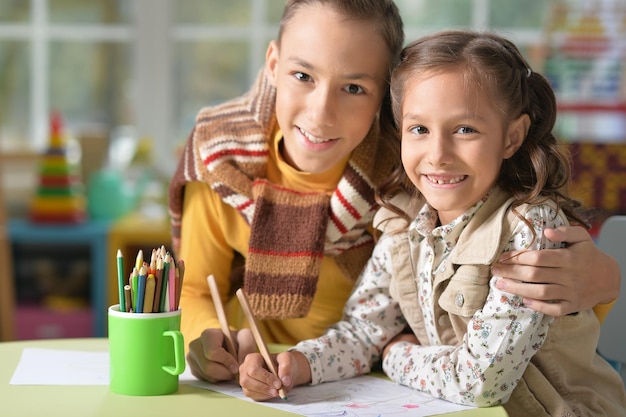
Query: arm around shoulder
{"type": "Point", "coordinates": [562, 281]}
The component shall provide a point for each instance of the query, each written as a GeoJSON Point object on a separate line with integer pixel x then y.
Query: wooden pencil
{"type": "Point", "coordinates": [148, 300]}
{"type": "Point", "coordinates": [258, 338]}
{"type": "Point", "coordinates": [128, 297]}
{"type": "Point", "coordinates": [158, 280]}
{"type": "Point", "coordinates": [221, 315]}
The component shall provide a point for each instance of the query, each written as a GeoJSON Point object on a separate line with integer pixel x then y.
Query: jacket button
{"type": "Point", "coordinates": [459, 300]}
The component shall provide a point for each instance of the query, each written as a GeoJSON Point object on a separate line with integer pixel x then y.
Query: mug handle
{"type": "Point", "coordinates": [179, 353]}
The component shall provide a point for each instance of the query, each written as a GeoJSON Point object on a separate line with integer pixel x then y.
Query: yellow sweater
{"type": "Point", "coordinates": [211, 231]}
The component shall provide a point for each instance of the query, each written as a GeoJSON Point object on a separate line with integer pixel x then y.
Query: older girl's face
{"type": "Point", "coordinates": [329, 73]}
{"type": "Point", "coordinates": [454, 140]}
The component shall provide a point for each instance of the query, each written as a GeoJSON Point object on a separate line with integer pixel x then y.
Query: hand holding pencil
{"type": "Point", "coordinates": [207, 359]}
{"type": "Point", "coordinates": [258, 338]}
{"type": "Point", "coordinates": [221, 315]}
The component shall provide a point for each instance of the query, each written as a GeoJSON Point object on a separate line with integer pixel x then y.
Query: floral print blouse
{"type": "Point", "coordinates": [501, 338]}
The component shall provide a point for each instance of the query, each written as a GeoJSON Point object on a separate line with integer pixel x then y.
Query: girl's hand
{"type": "Point", "coordinates": [260, 384]}
{"type": "Point", "coordinates": [561, 281]}
{"type": "Point", "coordinates": [208, 359]}
{"type": "Point", "coordinates": [402, 337]}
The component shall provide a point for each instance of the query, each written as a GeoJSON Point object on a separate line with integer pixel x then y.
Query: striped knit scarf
{"type": "Point", "coordinates": [290, 231]}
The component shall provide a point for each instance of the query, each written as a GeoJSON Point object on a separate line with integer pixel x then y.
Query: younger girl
{"type": "Point", "coordinates": [476, 144]}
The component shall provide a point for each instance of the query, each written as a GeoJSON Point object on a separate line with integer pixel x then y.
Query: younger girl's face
{"type": "Point", "coordinates": [454, 139]}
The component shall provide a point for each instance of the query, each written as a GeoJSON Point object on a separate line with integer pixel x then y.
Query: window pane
{"type": "Point", "coordinates": [14, 93]}
{"type": "Point", "coordinates": [14, 11]}
{"type": "Point", "coordinates": [88, 83]}
{"type": "Point", "coordinates": [207, 73]}
{"type": "Point", "coordinates": [218, 12]}
{"type": "Point", "coordinates": [92, 11]}
{"type": "Point", "coordinates": [528, 14]}
{"type": "Point", "coordinates": [425, 14]}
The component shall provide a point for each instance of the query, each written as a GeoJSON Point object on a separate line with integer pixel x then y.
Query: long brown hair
{"type": "Point", "coordinates": [541, 168]}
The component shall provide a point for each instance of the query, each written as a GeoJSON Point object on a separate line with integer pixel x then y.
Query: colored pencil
{"type": "Point", "coordinates": [166, 270]}
{"type": "Point", "coordinates": [148, 300]}
{"type": "Point", "coordinates": [120, 279]}
{"type": "Point", "coordinates": [141, 288]}
{"type": "Point", "coordinates": [158, 279]}
{"type": "Point", "coordinates": [128, 297]}
{"type": "Point", "coordinates": [139, 259]}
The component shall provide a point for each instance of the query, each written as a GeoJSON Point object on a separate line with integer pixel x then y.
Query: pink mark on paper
{"type": "Point", "coordinates": [356, 405]}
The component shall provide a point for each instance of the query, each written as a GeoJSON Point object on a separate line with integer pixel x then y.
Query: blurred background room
{"type": "Point", "coordinates": [104, 93]}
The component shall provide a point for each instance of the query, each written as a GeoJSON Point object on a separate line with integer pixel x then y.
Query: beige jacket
{"type": "Point", "coordinates": [566, 377]}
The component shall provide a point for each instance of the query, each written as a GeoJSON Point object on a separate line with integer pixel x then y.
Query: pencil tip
{"type": "Point", "coordinates": [282, 394]}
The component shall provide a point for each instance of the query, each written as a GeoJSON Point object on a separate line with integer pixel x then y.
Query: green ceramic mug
{"type": "Point", "coordinates": [146, 352]}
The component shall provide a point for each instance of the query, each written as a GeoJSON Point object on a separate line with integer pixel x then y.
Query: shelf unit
{"type": "Point", "coordinates": [92, 234]}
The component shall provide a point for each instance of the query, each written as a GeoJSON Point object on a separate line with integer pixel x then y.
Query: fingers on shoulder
{"type": "Point", "coordinates": [552, 308]}
{"type": "Point", "coordinates": [570, 234]}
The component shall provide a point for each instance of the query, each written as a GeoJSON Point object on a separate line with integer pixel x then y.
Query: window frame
{"type": "Point", "coordinates": [151, 34]}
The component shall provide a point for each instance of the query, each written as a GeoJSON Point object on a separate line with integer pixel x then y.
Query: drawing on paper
{"type": "Point", "coordinates": [363, 396]}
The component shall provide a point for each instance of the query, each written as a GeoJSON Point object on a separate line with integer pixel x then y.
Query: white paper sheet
{"type": "Point", "coordinates": [68, 367]}
{"type": "Point", "coordinates": [61, 367]}
{"type": "Point", "coordinates": [363, 396]}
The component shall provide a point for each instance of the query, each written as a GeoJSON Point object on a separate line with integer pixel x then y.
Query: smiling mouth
{"type": "Point", "coordinates": [444, 180]}
{"type": "Point", "coordinates": [313, 139]}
